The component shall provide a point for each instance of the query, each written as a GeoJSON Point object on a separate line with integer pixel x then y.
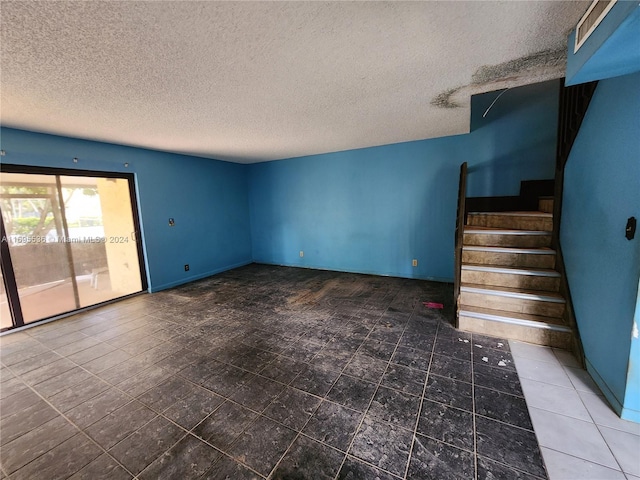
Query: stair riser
{"type": "Point", "coordinates": [527, 282]}
{"type": "Point", "coordinates": [516, 332]}
{"type": "Point", "coordinates": [509, 259]}
{"type": "Point", "coordinates": [545, 205]}
{"type": "Point", "coordinates": [511, 222]}
{"type": "Point", "coordinates": [518, 241]}
{"type": "Point", "coordinates": [509, 304]}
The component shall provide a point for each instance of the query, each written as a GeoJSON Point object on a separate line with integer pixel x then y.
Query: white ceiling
{"type": "Point", "coordinates": [254, 81]}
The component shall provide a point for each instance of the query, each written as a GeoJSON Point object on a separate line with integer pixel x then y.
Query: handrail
{"type": "Point", "coordinates": [460, 220]}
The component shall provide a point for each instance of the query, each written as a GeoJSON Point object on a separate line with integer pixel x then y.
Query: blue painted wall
{"type": "Point", "coordinates": [613, 49]}
{"type": "Point", "coordinates": [601, 190]}
{"type": "Point", "coordinates": [373, 210]}
{"type": "Point", "coordinates": [207, 198]}
{"type": "Point", "coordinates": [514, 141]}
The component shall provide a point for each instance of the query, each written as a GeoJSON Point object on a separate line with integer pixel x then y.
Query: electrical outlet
{"type": "Point", "coordinates": [301, 253]}
{"type": "Point", "coordinates": [186, 267]}
{"type": "Point", "coordinates": [414, 262]}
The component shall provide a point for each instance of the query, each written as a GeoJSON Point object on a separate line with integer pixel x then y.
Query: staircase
{"type": "Point", "coordinates": [508, 282]}
{"type": "Point", "coordinates": [507, 279]}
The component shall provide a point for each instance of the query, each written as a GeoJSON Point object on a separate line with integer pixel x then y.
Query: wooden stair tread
{"type": "Point", "coordinates": [496, 249]}
{"type": "Point", "coordinates": [472, 229]}
{"type": "Point", "coordinates": [506, 314]}
{"type": "Point", "coordinates": [546, 272]}
{"type": "Point", "coordinates": [513, 292]}
{"type": "Point", "coordinates": [516, 214]}
{"type": "Point", "coordinates": [514, 220]}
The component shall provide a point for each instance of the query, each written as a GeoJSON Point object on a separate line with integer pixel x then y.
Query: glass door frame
{"type": "Point", "coordinates": [9, 279]}
{"type": "Point", "coordinates": [8, 274]}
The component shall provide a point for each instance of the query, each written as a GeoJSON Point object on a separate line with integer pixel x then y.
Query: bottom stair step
{"type": "Point", "coordinates": [515, 326]}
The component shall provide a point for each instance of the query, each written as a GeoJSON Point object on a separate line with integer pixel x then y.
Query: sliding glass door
{"type": "Point", "coordinates": [71, 242]}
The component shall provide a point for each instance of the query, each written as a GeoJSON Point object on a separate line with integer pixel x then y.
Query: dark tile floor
{"type": "Point", "coordinates": [265, 372]}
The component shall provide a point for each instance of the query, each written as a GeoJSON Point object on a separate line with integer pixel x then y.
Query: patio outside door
{"type": "Point", "coordinates": [69, 241]}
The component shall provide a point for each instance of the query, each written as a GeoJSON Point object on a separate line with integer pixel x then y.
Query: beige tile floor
{"type": "Point", "coordinates": [580, 436]}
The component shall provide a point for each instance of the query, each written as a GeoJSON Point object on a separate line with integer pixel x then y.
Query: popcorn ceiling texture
{"type": "Point", "coordinates": [254, 81]}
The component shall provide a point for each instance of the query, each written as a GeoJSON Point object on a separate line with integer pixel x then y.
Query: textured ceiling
{"type": "Point", "coordinates": [253, 81]}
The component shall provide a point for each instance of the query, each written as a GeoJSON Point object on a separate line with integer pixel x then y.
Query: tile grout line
{"type": "Point", "coordinates": [585, 421]}
{"type": "Point", "coordinates": [190, 432]}
{"type": "Point", "coordinates": [473, 410]}
{"type": "Point", "coordinates": [322, 399]}
{"type": "Point", "coordinates": [357, 429]}
{"type": "Point", "coordinates": [132, 398]}
{"type": "Point", "coordinates": [363, 413]}
{"type": "Point", "coordinates": [585, 460]}
{"type": "Point", "coordinates": [298, 433]}
{"type": "Point", "coordinates": [261, 413]}
{"type": "Point", "coordinates": [224, 454]}
{"type": "Point", "coordinates": [80, 430]}
{"type": "Point", "coordinates": [501, 392]}
{"type": "Point", "coordinates": [593, 420]}
{"type": "Point", "coordinates": [424, 390]}
{"type": "Point", "coordinates": [230, 400]}
{"type": "Point", "coordinates": [540, 446]}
